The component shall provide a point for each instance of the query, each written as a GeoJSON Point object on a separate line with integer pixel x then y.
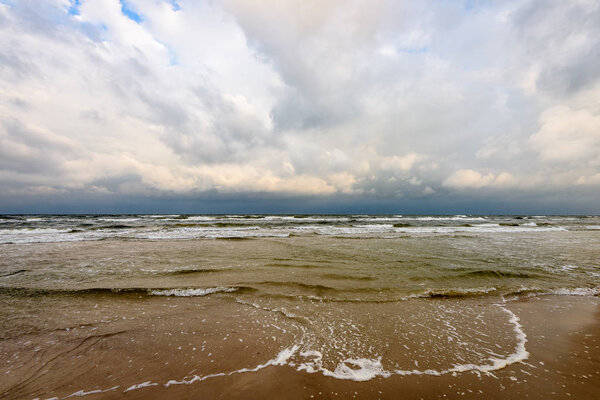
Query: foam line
{"type": "Point", "coordinates": [81, 393]}
{"type": "Point", "coordinates": [191, 292]}
{"type": "Point", "coordinates": [356, 369]}
{"type": "Point", "coordinates": [140, 385]}
{"type": "Point", "coordinates": [281, 359]}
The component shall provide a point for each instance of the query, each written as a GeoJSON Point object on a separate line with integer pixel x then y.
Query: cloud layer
{"type": "Point", "coordinates": [392, 101]}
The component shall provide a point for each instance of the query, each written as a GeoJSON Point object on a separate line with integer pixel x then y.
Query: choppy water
{"type": "Point", "coordinates": [67, 228]}
{"type": "Point", "coordinates": [328, 258]}
{"type": "Point", "coordinates": [348, 296]}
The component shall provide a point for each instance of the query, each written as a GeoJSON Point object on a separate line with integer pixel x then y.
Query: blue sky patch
{"type": "Point", "coordinates": [129, 12]}
{"type": "Point", "coordinates": [174, 5]}
{"type": "Point", "coordinates": [74, 7]}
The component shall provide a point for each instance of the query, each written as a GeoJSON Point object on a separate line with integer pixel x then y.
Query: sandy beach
{"type": "Point", "coordinates": [189, 348]}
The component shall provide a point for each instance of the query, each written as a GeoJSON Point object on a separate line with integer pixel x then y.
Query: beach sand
{"type": "Point", "coordinates": [146, 347]}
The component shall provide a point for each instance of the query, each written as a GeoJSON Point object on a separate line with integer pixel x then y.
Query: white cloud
{"type": "Point", "coordinates": [471, 179]}
{"type": "Point", "coordinates": [567, 135]}
{"type": "Point", "coordinates": [589, 180]}
{"type": "Point", "coordinates": [400, 163]}
{"type": "Point", "coordinates": [468, 178]}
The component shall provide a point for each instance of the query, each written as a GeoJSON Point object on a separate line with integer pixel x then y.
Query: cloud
{"type": "Point", "coordinates": [548, 28]}
{"type": "Point", "coordinates": [404, 163]}
{"type": "Point", "coordinates": [319, 98]}
{"type": "Point", "coordinates": [31, 149]}
{"type": "Point", "coordinates": [568, 135]}
{"type": "Point", "coordinates": [471, 179]}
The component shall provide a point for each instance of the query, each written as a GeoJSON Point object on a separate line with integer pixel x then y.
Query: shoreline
{"type": "Point", "coordinates": [560, 338]}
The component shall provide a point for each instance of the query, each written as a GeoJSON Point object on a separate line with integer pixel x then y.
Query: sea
{"type": "Point", "coordinates": [344, 297]}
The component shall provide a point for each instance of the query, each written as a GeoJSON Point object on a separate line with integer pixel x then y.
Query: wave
{"type": "Point", "coordinates": [187, 271]}
{"type": "Point", "coordinates": [289, 265]}
{"type": "Point", "coordinates": [448, 218]}
{"type": "Point", "coordinates": [191, 292]}
{"type": "Point", "coordinates": [452, 293]}
{"type": "Point", "coordinates": [208, 233]}
{"type": "Point", "coordinates": [347, 277]}
{"type": "Point", "coordinates": [299, 285]}
{"type": "Point", "coordinates": [564, 291]}
{"type": "Point", "coordinates": [119, 219]}
{"type": "Point", "coordinates": [325, 294]}
{"type": "Point", "coordinates": [480, 228]}
{"type": "Point", "coordinates": [576, 291]}
{"type": "Point", "coordinates": [33, 292]}
{"type": "Point", "coordinates": [11, 273]}
{"type": "Point", "coordinates": [429, 293]}
{"type": "Point", "coordinates": [113, 226]}
{"type": "Point", "coordinates": [486, 273]}
{"type": "Point", "coordinates": [137, 291]}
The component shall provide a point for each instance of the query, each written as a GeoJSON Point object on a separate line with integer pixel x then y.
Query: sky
{"type": "Point", "coordinates": [331, 106]}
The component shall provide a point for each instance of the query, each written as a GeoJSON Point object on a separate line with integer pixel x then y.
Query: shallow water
{"type": "Point", "coordinates": [343, 297]}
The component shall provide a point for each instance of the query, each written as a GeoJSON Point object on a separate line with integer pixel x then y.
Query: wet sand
{"type": "Point", "coordinates": [149, 347]}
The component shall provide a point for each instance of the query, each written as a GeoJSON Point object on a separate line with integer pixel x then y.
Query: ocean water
{"type": "Point", "coordinates": [69, 228]}
{"type": "Point", "coordinates": [328, 258]}
{"type": "Point", "coordinates": [353, 297]}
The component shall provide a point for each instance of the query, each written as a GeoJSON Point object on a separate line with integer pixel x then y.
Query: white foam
{"type": "Point", "coordinates": [568, 267]}
{"type": "Point", "coordinates": [537, 291]}
{"type": "Point", "coordinates": [519, 354]}
{"type": "Point", "coordinates": [118, 219]}
{"type": "Point", "coordinates": [81, 393]}
{"type": "Point", "coordinates": [344, 230]}
{"type": "Point", "coordinates": [45, 235]}
{"type": "Point", "coordinates": [382, 219]}
{"type": "Point", "coordinates": [211, 233]}
{"type": "Point", "coordinates": [577, 291]}
{"type": "Point", "coordinates": [281, 359]}
{"type": "Point", "coordinates": [284, 355]}
{"type": "Point", "coordinates": [191, 292]}
{"type": "Point", "coordinates": [370, 368]}
{"type": "Point", "coordinates": [480, 228]}
{"type": "Point", "coordinates": [452, 291]}
{"type": "Point", "coordinates": [358, 369]}
{"type": "Point", "coordinates": [363, 369]}
{"type": "Point", "coordinates": [200, 218]}
{"type": "Point", "coordinates": [454, 218]}
{"type": "Point", "coordinates": [140, 385]}
{"type": "Point", "coordinates": [314, 365]}
{"type": "Point", "coordinates": [374, 227]}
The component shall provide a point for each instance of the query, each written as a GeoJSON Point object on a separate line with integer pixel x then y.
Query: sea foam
{"type": "Point", "coordinates": [191, 292]}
